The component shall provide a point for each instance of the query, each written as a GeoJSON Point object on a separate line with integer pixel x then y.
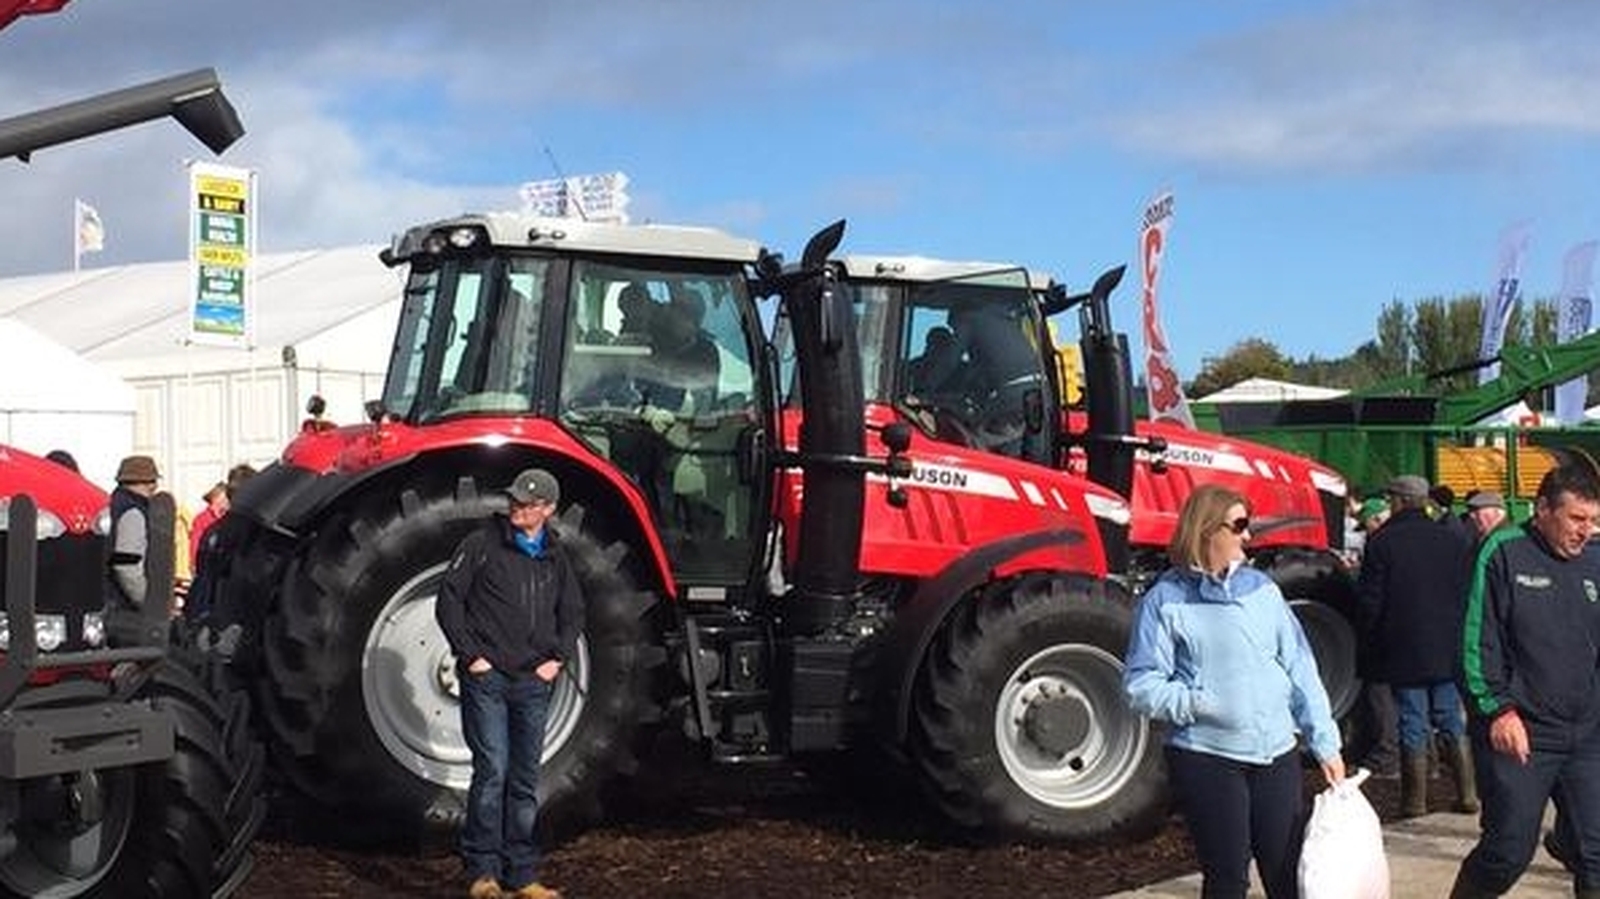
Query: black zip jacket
{"type": "Point", "coordinates": [1531, 639]}
{"type": "Point", "coordinates": [499, 603]}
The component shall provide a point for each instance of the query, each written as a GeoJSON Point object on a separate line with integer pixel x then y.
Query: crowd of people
{"type": "Point", "coordinates": [1480, 650]}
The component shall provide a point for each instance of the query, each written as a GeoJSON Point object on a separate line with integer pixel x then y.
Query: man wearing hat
{"type": "Point", "coordinates": [1486, 510]}
{"type": "Point", "coordinates": [1410, 590]}
{"type": "Point", "coordinates": [130, 538]}
{"type": "Point", "coordinates": [510, 607]}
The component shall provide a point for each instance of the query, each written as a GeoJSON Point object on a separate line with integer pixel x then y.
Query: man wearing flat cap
{"type": "Point", "coordinates": [1486, 510]}
{"type": "Point", "coordinates": [1410, 590]}
{"type": "Point", "coordinates": [511, 609]}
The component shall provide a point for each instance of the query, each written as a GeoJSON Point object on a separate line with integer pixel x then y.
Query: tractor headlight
{"type": "Point", "coordinates": [94, 629]}
{"type": "Point", "coordinates": [49, 525]}
{"type": "Point", "coordinates": [50, 631]}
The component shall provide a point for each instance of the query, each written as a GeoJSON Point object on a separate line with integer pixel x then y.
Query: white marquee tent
{"type": "Point", "coordinates": [324, 323]}
{"type": "Point", "coordinates": [52, 398]}
{"type": "Point", "coordinates": [1267, 390]}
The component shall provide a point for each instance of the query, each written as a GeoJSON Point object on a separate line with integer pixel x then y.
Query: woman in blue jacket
{"type": "Point", "coordinates": [1217, 654]}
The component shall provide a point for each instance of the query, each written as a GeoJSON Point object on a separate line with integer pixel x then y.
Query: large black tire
{"type": "Point", "coordinates": [177, 828]}
{"type": "Point", "coordinates": [1020, 725]}
{"type": "Point", "coordinates": [1323, 597]}
{"type": "Point", "coordinates": [358, 685]}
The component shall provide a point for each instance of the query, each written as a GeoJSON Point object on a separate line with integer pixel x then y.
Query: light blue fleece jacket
{"type": "Point", "coordinates": [1224, 661]}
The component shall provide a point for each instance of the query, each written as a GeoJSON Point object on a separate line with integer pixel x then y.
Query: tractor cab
{"type": "Point", "coordinates": [645, 354]}
{"type": "Point", "coordinates": [955, 348]}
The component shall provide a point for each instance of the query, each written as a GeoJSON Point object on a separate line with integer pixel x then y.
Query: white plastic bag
{"type": "Point", "coordinates": [1342, 857]}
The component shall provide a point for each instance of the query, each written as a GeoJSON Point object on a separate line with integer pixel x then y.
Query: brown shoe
{"type": "Point", "coordinates": [485, 887]}
{"type": "Point", "coordinates": [535, 890]}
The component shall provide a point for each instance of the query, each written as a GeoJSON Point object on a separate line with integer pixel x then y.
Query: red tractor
{"type": "Point", "coordinates": [964, 353]}
{"type": "Point", "coordinates": [120, 773]}
{"type": "Point", "coordinates": [762, 583]}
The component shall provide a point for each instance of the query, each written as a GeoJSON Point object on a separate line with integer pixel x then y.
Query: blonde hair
{"type": "Point", "coordinates": [1205, 510]}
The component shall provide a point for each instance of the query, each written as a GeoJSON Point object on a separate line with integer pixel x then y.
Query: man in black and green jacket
{"type": "Point", "coordinates": [1530, 674]}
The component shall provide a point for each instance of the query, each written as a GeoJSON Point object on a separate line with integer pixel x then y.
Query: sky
{"type": "Point", "coordinates": [1326, 158]}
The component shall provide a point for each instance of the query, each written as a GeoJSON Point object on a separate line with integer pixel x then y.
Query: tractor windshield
{"type": "Point", "coordinates": [468, 339]}
{"type": "Point", "coordinates": [964, 358]}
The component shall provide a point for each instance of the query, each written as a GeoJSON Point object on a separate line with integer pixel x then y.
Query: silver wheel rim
{"type": "Point", "coordinates": [55, 866]}
{"type": "Point", "coordinates": [1333, 643]}
{"type": "Point", "coordinates": [412, 697]}
{"type": "Point", "coordinates": [1093, 759]}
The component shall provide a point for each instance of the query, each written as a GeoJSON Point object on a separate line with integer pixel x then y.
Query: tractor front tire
{"type": "Point", "coordinates": [360, 692]}
{"type": "Point", "coordinates": [174, 829]}
{"type": "Point", "coordinates": [1020, 727]}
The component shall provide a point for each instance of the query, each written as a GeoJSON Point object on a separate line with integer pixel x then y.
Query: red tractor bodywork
{"type": "Point", "coordinates": [1294, 501]}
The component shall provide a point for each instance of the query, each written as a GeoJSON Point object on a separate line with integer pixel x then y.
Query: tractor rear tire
{"type": "Point", "coordinates": [175, 828]}
{"type": "Point", "coordinates": [359, 688]}
{"type": "Point", "coordinates": [1020, 727]}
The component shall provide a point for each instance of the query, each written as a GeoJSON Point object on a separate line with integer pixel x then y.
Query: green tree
{"type": "Point", "coordinates": [1249, 358]}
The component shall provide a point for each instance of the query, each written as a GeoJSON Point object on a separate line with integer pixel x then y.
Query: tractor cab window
{"type": "Point", "coordinates": [659, 376]}
{"type": "Point", "coordinates": [872, 306]}
{"type": "Point", "coordinates": [468, 339]}
{"type": "Point", "coordinates": [971, 366]}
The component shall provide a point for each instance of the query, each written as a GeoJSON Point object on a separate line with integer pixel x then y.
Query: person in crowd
{"type": "Point", "coordinates": [1530, 671]}
{"type": "Point", "coordinates": [216, 502]}
{"type": "Point", "coordinates": [127, 583]}
{"type": "Point", "coordinates": [1382, 756]}
{"type": "Point", "coordinates": [63, 458]}
{"type": "Point", "coordinates": [1442, 506]}
{"type": "Point", "coordinates": [511, 610]}
{"type": "Point", "coordinates": [1486, 511]}
{"type": "Point", "coordinates": [1217, 654]}
{"type": "Point", "coordinates": [1410, 589]}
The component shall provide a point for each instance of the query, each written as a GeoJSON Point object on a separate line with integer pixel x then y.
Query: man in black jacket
{"type": "Point", "coordinates": [1412, 587]}
{"type": "Point", "coordinates": [1530, 670]}
{"type": "Point", "coordinates": [511, 609]}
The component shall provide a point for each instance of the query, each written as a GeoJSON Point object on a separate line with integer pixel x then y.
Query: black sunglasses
{"type": "Point", "coordinates": [1238, 525]}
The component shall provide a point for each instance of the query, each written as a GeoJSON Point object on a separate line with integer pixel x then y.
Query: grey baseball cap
{"type": "Point", "coordinates": [534, 485]}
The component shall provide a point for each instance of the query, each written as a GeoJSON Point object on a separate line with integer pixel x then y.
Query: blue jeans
{"type": "Point", "coordinates": [502, 718]}
{"type": "Point", "coordinates": [1423, 709]}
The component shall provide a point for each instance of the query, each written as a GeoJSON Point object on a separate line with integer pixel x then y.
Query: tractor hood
{"type": "Point", "coordinates": [64, 497]}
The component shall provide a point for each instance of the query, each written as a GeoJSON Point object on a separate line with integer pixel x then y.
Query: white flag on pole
{"type": "Point", "coordinates": [88, 233]}
{"type": "Point", "coordinates": [1577, 308]}
{"type": "Point", "coordinates": [1497, 309]}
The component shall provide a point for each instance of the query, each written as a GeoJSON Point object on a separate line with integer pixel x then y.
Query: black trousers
{"type": "Point", "coordinates": [1237, 811]}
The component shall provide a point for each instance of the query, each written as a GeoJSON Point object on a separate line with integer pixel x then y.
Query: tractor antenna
{"type": "Point", "coordinates": [566, 190]}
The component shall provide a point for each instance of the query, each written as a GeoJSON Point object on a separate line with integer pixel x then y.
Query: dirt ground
{"type": "Point", "coordinates": [689, 830]}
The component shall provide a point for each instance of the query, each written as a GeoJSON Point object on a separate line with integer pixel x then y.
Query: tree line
{"type": "Point", "coordinates": [1429, 335]}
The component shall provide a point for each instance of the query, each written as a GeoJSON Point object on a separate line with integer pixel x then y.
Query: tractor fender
{"type": "Point", "coordinates": [920, 618]}
{"type": "Point", "coordinates": [290, 500]}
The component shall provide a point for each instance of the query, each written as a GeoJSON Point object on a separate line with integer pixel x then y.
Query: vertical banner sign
{"type": "Point", "coordinates": [1497, 309]}
{"type": "Point", "coordinates": [1577, 308]}
{"type": "Point", "coordinates": [221, 246]}
{"type": "Point", "coordinates": [1167, 401]}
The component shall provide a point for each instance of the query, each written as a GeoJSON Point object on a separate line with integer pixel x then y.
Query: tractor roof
{"type": "Point", "coordinates": [576, 235]}
{"type": "Point", "coordinates": [921, 268]}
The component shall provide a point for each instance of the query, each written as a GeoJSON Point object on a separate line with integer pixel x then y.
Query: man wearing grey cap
{"type": "Point", "coordinates": [1486, 510]}
{"type": "Point", "coordinates": [510, 607]}
{"type": "Point", "coordinates": [1410, 591]}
